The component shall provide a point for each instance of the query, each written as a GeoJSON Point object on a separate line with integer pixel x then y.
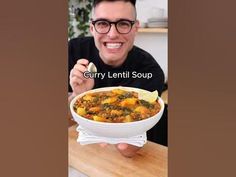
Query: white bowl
{"type": "Point", "coordinates": [116, 130]}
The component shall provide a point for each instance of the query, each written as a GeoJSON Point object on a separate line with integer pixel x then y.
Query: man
{"type": "Point", "coordinates": [111, 49]}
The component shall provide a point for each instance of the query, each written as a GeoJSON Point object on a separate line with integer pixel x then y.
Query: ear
{"type": "Point", "coordinates": [91, 28]}
{"type": "Point", "coordinates": [137, 25]}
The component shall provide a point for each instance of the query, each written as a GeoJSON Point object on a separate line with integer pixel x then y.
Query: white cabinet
{"type": "Point", "coordinates": [155, 41]}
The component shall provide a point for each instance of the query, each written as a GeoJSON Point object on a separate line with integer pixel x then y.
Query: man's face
{"type": "Point", "coordinates": [114, 47]}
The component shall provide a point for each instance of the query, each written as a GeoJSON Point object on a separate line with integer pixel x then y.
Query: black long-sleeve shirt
{"type": "Point", "coordinates": [138, 66]}
{"type": "Point", "coordinates": [137, 61]}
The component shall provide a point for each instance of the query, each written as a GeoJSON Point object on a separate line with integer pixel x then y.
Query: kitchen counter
{"type": "Point", "coordinates": [95, 161]}
{"type": "Point", "coordinates": [72, 172]}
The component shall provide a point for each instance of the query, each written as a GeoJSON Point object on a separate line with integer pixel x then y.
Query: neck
{"type": "Point", "coordinates": [114, 63]}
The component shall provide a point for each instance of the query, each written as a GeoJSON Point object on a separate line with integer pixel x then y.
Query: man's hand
{"type": "Point", "coordinates": [78, 82]}
{"type": "Point", "coordinates": [126, 150]}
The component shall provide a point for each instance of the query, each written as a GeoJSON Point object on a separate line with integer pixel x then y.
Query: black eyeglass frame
{"type": "Point", "coordinates": [115, 23]}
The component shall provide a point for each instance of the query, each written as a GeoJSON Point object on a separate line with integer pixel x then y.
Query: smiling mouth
{"type": "Point", "coordinates": [113, 45]}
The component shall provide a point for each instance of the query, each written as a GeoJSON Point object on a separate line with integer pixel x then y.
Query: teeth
{"type": "Point", "coordinates": [113, 45]}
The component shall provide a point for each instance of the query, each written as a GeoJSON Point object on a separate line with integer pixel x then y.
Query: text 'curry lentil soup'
{"type": "Point", "coordinates": [115, 106]}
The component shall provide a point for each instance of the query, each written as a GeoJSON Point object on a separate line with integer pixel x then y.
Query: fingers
{"type": "Point", "coordinates": [103, 145]}
{"type": "Point", "coordinates": [76, 78]}
{"type": "Point", "coordinates": [83, 62]}
{"type": "Point", "coordinates": [127, 150]}
{"type": "Point", "coordinates": [78, 82]}
{"type": "Point", "coordinates": [76, 74]}
{"type": "Point", "coordinates": [74, 81]}
{"type": "Point", "coordinates": [80, 68]}
{"type": "Point", "coordinates": [122, 146]}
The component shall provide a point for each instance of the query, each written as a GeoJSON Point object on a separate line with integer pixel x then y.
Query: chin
{"type": "Point", "coordinates": [112, 59]}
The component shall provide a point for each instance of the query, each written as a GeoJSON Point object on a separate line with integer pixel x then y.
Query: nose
{"type": "Point", "coordinates": [113, 33]}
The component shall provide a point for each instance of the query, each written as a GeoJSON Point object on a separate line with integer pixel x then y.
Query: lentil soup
{"type": "Point", "coordinates": [116, 106]}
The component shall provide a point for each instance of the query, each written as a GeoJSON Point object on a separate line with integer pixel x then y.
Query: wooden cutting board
{"type": "Point", "coordinates": [96, 161]}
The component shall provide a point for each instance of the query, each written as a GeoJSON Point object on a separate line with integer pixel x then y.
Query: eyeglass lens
{"type": "Point", "coordinates": [103, 26]}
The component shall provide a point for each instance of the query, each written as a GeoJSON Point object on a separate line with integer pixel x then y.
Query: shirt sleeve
{"type": "Point", "coordinates": [146, 64]}
{"type": "Point", "coordinates": [73, 51]}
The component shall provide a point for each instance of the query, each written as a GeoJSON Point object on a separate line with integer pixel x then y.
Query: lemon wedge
{"type": "Point", "coordinates": [148, 96]}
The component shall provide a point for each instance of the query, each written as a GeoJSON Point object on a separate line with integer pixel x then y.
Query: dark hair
{"type": "Point", "coordinates": [96, 2]}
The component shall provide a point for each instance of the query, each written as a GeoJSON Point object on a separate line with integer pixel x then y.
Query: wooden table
{"type": "Point", "coordinates": [95, 161]}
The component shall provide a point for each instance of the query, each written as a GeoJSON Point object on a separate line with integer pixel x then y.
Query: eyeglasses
{"type": "Point", "coordinates": [103, 26]}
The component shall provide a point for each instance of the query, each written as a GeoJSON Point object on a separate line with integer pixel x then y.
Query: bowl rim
{"type": "Point", "coordinates": [161, 102]}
